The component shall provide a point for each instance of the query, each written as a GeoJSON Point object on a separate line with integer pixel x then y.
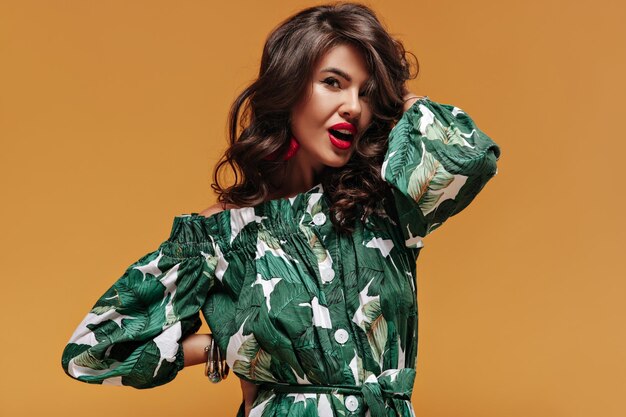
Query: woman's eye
{"type": "Point", "coordinates": [331, 81]}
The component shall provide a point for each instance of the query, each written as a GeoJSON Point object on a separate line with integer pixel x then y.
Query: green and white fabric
{"type": "Point", "coordinates": [326, 324]}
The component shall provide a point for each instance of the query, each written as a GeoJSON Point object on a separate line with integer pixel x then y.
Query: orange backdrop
{"type": "Point", "coordinates": [113, 114]}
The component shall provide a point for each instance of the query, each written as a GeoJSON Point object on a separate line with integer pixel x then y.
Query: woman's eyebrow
{"type": "Point", "coordinates": [338, 72]}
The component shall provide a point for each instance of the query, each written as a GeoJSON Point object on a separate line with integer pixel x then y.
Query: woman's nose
{"type": "Point", "coordinates": [351, 106]}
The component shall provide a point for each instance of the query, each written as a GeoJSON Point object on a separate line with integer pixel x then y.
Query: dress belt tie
{"type": "Point", "coordinates": [391, 383]}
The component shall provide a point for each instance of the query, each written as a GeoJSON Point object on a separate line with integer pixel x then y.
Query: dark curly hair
{"type": "Point", "coordinates": [259, 117]}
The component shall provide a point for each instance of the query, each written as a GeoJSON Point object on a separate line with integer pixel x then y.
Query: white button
{"type": "Point", "coordinates": [341, 336]}
{"type": "Point", "coordinates": [319, 219]}
{"type": "Point", "coordinates": [351, 403]}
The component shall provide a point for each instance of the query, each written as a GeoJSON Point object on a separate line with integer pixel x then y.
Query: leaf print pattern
{"type": "Point", "coordinates": [256, 364]}
{"type": "Point", "coordinates": [428, 182]}
{"type": "Point", "coordinates": [437, 162]}
{"type": "Point", "coordinates": [324, 260]}
{"type": "Point", "coordinates": [376, 330]}
{"type": "Point", "coordinates": [320, 313]}
{"type": "Point", "coordinates": [325, 324]}
{"type": "Point", "coordinates": [433, 129]}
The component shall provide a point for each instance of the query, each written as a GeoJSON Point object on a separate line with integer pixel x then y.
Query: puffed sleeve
{"type": "Point", "coordinates": [436, 163]}
{"type": "Point", "coordinates": [132, 335]}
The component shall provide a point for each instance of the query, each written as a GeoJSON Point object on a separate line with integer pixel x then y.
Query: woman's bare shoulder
{"type": "Point", "coordinates": [216, 208]}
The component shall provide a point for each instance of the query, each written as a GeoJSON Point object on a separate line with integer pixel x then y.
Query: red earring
{"type": "Point", "coordinates": [294, 145]}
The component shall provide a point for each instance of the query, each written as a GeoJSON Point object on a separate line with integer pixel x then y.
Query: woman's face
{"type": "Point", "coordinates": [326, 121]}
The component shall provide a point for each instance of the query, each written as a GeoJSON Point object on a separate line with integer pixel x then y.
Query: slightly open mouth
{"type": "Point", "coordinates": [343, 136]}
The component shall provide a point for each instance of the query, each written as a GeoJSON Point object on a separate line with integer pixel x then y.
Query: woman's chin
{"type": "Point", "coordinates": [330, 159]}
{"type": "Point", "coordinates": [337, 162]}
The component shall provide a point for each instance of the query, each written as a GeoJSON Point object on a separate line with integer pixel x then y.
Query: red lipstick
{"type": "Point", "coordinates": [342, 134]}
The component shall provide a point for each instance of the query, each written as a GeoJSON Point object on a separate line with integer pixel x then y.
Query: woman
{"type": "Point", "coordinates": [305, 269]}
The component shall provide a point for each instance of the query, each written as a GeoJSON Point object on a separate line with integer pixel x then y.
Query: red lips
{"type": "Point", "coordinates": [342, 140]}
{"type": "Point", "coordinates": [347, 126]}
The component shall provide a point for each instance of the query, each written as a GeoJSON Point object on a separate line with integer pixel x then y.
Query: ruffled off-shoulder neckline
{"type": "Point", "coordinates": [316, 189]}
{"type": "Point", "coordinates": [283, 215]}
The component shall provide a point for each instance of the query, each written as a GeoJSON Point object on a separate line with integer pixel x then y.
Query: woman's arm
{"type": "Point", "coordinates": [193, 349]}
{"type": "Point", "coordinates": [194, 354]}
{"type": "Point", "coordinates": [193, 346]}
{"type": "Point", "coordinates": [249, 394]}
{"type": "Point", "coordinates": [437, 162]}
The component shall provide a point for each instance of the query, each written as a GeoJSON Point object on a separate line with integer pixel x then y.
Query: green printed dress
{"type": "Point", "coordinates": [325, 323]}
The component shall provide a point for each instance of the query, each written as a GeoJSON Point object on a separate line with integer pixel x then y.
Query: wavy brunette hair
{"type": "Point", "coordinates": [259, 118]}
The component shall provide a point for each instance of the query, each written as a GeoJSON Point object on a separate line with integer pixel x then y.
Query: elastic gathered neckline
{"type": "Point", "coordinates": [193, 233]}
{"type": "Point", "coordinates": [317, 188]}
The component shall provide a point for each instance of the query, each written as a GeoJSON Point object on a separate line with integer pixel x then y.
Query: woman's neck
{"type": "Point", "coordinates": [298, 177]}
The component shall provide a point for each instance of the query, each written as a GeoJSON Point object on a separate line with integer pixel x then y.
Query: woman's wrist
{"type": "Point", "coordinates": [194, 348]}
